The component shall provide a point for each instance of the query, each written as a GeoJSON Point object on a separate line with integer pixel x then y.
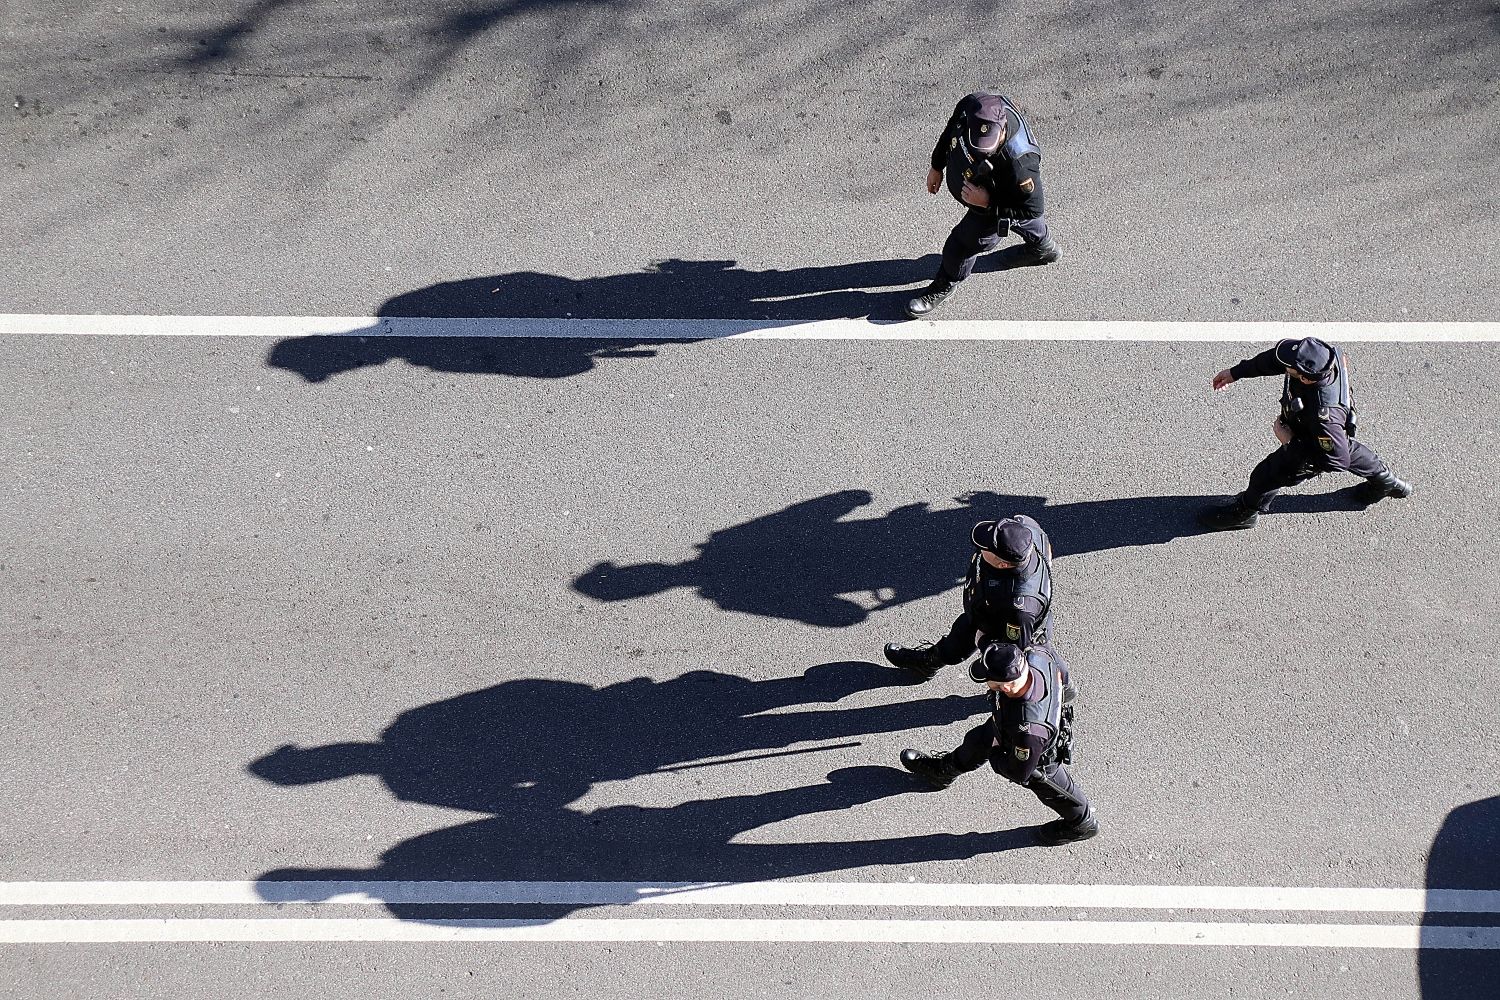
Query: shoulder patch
{"type": "Point", "coordinates": [1022, 753]}
{"type": "Point", "coordinates": [1028, 185]}
{"type": "Point", "coordinates": [1012, 632]}
{"type": "Point", "coordinates": [1325, 443]}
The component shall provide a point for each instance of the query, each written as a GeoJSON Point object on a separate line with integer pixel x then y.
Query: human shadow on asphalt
{"type": "Point", "coordinates": [809, 562]}
{"type": "Point", "coordinates": [669, 289]}
{"type": "Point", "coordinates": [1465, 855]}
{"type": "Point", "coordinates": [522, 752]}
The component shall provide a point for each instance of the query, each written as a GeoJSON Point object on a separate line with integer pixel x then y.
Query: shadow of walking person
{"type": "Point", "coordinates": [556, 739]}
{"type": "Point", "coordinates": [693, 843]}
{"type": "Point", "coordinates": [806, 562]}
{"type": "Point", "coordinates": [524, 751]}
{"type": "Point", "coordinates": [1465, 856]}
{"type": "Point", "coordinates": [670, 289]}
{"type": "Point", "coordinates": [810, 561]}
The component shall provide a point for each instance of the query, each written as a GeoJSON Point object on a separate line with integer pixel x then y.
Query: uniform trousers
{"type": "Point", "coordinates": [1284, 467]}
{"type": "Point", "coordinates": [978, 233]}
{"type": "Point", "coordinates": [1051, 783]}
{"type": "Point", "coordinates": [960, 642]}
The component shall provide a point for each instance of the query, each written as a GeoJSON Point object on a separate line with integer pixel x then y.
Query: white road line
{"type": "Point", "coordinates": [865, 894]}
{"type": "Point", "coordinates": [20, 324]}
{"type": "Point", "coordinates": [966, 932]}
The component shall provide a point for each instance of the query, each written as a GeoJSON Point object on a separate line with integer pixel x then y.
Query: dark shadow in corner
{"type": "Point", "coordinates": [806, 562]}
{"type": "Point", "coordinates": [669, 289]}
{"type": "Point", "coordinates": [1465, 856]}
{"type": "Point", "coordinates": [521, 752]}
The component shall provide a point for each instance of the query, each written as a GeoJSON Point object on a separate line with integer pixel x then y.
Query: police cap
{"type": "Point", "coordinates": [1000, 661]}
{"type": "Point", "coordinates": [1310, 356]}
{"type": "Point", "coordinates": [986, 122]}
{"type": "Point", "coordinates": [1008, 538]}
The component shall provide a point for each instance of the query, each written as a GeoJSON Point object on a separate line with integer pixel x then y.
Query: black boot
{"type": "Point", "coordinates": [937, 768]}
{"type": "Point", "coordinates": [1379, 487]}
{"type": "Point", "coordinates": [922, 660]}
{"type": "Point", "coordinates": [1044, 251]}
{"type": "Point", "coordinates": [1068, 831]}
{"type": "Point", "coordinates": [932, 296]}
{"type": "Point", "coordinates": [1231, 516]}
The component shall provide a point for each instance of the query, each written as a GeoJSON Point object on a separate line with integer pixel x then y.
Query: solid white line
{"type": "Point", "coordinates": [20, 324]}
{"type": "Point", "coordinates": [866, 894]}
{"type": "Point", "coordinates": [1056, 932]}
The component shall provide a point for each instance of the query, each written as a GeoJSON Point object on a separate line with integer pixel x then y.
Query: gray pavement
{"type": "Point", "coordinates": [463, 583]}
{"type": "Point", "coordinates": [1216, 161]}
{"type": "Point", "coordinates": [509, 588]}
{"type": "Point", "coordinates": [752, 971]}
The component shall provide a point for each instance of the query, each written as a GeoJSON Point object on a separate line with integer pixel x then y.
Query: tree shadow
{"type": "Point", "coordinates": [1465, 856]}
{"type": "Point", "coordinates": [442, 38]}
{"type": "Point", "coordinates": [810, 563]}
{"type": "Point", "coordinates": [521, 752]}
{"type": "Point", "coordinates": [669, 289]}
{"type": "Point", "coordinates": [167, 94]}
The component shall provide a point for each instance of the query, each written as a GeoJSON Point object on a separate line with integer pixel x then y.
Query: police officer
{"type": "Point", "coordinates": [1027, 738]}
{"type": "Point", "coordinates": [1007, 596]}
{"type": "Point", "coordinates": [1315, 428]}
{"type": "Point", "coordinates": [993, 167]}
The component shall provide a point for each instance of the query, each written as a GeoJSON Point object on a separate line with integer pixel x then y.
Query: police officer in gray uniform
{"type": "Point", "coordinates": [1315, 428]}
{"type": "Point", "coordinates": [1007, 597]}
{"type": "Point", "coordinates": [1027, 738]}
{"type": "Point", "coordinates": [993, 166]}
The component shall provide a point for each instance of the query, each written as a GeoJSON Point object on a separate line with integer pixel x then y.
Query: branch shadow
{"type": "Point", "coordinates": [811, 563]}
{"type": "Point", "coordinates": [1465, 856]}
{"type": "Point", "coordinates": [668, 289]}
{"type": "Point", "coordinates": [775, 66]}
{"type": "Point", "coordinates": [523, 751]}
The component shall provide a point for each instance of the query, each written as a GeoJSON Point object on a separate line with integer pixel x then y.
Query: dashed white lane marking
{"type": "Point", "coordinates": [965, 932]}
{"type": "Point", "coordinates": [868, 894]}
{"type": "Point", "coordinates": [20, 324]}
{"type": "Point", "coordinates": [606, 926]}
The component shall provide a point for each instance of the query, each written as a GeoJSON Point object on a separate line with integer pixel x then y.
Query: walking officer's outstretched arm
{"type": "Point", "coordinates": [1261, 365]}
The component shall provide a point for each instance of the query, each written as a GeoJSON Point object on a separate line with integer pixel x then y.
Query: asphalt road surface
{"type": "Point", "coordinates": [610, 612]}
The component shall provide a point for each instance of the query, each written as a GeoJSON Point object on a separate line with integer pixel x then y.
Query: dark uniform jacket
{"type": "Point", "coordinates": [1321, 418]}
{"type": "Point", "coordinates": [1015, 186]}
{"type": "Point", "coordinates": [1012, 605]}
{"type": "Point", "coordinates": [1021, 746]}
